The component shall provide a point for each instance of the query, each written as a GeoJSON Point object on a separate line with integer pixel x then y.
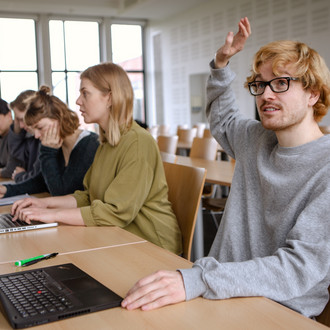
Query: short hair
{"type": "Point", "coordinates": [44, 105]}
{"type": "Point", "coordinates": [4, 109]}
{"type": "Point", "coordinates": [19, 103]}
{"type": "Point", "coordinates": [109, 77]}
{"type": "Point", "coordinates": [310, 68]}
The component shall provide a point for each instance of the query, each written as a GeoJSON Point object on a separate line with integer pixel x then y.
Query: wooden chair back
{"type": "Point", "coordinates": [207, 133]}
{"type": "Point", "coordinates": [153, 131]}
{"type": "Point", "coordinates": [187, 134]}
{"type": "Point", "coordinates": [205, 148]}
{"type": "Point", "coordinates": [185, 185]}
{"type": "Point", "coordinates": [167, 144]}
{"type": "Point", "coordinates": [200, 129]}
{"type": "Point", "coordinates": [324, 317]}
{"type": "Point", "coordinates": [169, 158]}
{"type": "Point", "coordinates": [163, 129]}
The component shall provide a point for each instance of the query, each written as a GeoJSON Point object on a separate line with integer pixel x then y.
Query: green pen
{"type": "Point", "coordinates": [33, 260]}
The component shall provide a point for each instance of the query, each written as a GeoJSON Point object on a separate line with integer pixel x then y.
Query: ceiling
{"type": "Point", "coordinates": [132, 9]}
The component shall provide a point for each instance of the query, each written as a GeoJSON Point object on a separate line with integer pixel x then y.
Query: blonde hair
{"type": "Point", "coordinates": [44, 105]}
{"type": "Point", "coordinates": [309, 66]}
{"type": "Point", "coordinates": [111, 78]}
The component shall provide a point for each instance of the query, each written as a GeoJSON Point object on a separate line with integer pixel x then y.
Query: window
{"type": "Point", "coordinates": [74, 46]}
{"type": "Point", "coordinates": [126, 44]}
{"type": "Point", "coordinates": [18, 59]}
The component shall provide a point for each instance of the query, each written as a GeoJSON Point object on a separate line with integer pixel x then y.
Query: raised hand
{"type": "Point", "coordinates": [52, 138]}
{"type": "Point", "coordinates": [233, 44]}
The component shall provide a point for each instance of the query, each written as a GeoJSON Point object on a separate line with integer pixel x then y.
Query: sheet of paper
{"type": "Point", "coordinates": [11, 200]}
{"type": "Point", "coordinates": [7, 182]}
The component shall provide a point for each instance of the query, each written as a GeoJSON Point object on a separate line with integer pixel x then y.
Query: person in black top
{"type": "Point", "coordinates": [66, 151]}
{"type": "Point", "coordinates": [7, 164]}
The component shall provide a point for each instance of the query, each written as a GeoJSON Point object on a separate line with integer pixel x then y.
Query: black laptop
{"type": "Point", "coordinates": [48, 294]}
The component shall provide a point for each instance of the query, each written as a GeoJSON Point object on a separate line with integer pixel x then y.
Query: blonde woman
{"type": "Point", "coordinates": [126, 184]}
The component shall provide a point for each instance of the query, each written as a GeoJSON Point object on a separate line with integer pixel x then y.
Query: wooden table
{"type": "Point", "coordinates": [218, 171]}
{"type": "Point", "coordinates": [62, 239]}
{"type": "Point", "coordinates": [119, 267]}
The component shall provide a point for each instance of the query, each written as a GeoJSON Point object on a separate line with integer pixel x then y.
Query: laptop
{"type": "Point", "coordinates": [9, 226]}
{"type": "Point", "coordinates": [43, 295]}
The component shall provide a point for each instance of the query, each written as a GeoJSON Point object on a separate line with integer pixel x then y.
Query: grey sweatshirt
{"type": "Point", "coordinates": [274, 237]}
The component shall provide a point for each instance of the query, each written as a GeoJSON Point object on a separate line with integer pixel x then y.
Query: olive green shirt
{"type": "Point", "coordinates": [126, 187]}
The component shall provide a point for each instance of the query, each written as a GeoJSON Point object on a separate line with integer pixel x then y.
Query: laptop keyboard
{"type": "Point", "coordinates": [7, 222]}
{"type": "Point", "coordinates": [28, 293]}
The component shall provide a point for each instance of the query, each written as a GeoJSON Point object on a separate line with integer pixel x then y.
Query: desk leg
{"type": "Point", "coordinates": [198, 240]}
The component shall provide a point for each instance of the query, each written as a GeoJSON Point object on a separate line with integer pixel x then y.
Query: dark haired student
{"type": "Point", "coordinates": [66, 151]}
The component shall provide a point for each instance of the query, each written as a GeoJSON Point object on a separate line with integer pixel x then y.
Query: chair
{"type": "Point", "coordinates": [324, 317]}
{"type": "Point", "coordinates": [205, 148]}
{"type": "Point", "coordinates": [163, 129]}
{"type": "Point", "coordinates": [185, 185]}
{"type": "Point", "coordinates": [207, 133]}
{"type": "Point", "coordinates": [167, 144]}
{"type": "Point", "coordinates": [200, 129]}
{"type": "Point", "coordinates": [169, 158]}
{"type": "Point", "coordinates": [153, 131]}
{"type": "Point", "coordinates": [187, 134]}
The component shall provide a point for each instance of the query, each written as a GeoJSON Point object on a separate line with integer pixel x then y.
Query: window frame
{"type": "Point", "coordinates": [44, 71]}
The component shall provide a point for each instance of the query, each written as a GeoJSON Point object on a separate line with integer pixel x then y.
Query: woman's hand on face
{"type": "Point", "coordinates": [3, 191]}
{"type": "Point", "coordinates": [27, 203]}
{"type": "Point", "coordinates": [52, 138]}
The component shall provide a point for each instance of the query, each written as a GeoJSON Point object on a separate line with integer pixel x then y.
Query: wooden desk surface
{"type": "Point", "coordinates": [120, 267]}
{"type": "Point", "coordinates": [61, 239]}
{"type": "Point", "coordinates": [217, 171]}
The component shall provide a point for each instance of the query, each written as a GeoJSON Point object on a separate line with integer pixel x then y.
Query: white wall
{"type": "Point", "coordinates": [189, 41]}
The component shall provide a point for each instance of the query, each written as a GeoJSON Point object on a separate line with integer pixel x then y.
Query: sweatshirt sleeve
{"type": "Point", "coordinates": [226, 122]}
{"type": "Point", "coordinates": [17, 144]}
{"type": "Point", "coordinates": [24, 176]}
{"type": "Point", "coordinates": [8, 170]}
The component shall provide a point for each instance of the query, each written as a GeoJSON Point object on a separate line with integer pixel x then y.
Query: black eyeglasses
{"type": "Point", "coordinates": [277, 85]}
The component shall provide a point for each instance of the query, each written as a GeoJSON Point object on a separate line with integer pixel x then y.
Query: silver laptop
{"type": "Point", "coordinates": [7, 225]}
